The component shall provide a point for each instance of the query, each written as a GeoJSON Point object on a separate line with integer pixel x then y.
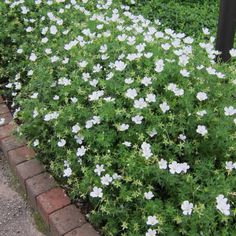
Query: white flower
{"type": "Point", "coordinates": [202, 113]}
{"type": "Point", "coordinates": [99, 169]}
{"type": "Point", "coordinates": [137, 119]}
{"type": "Point", "coordinates": [205, 31]}
{"type": "Point", "coordinates": [140, 103]}
{"type": "Point", "coordinates": [129, 81]}
{"type": "Point", "coordinates": [151, 232]}
{"type": "Point", "coordinates": [2, 121]}
{"type": "Point", "coordinates": [222, 205]}
{"type": "Point", "coordinates": [182, 137]}
{"type": "Point", "coordinates": [150, 97]}
{"type": "Point", "coordinates": [201, 96]}
{"type": "Point", "coordinates": [185, 73]}
{"type": "Point", "coordinates": [187, 207]}
{"type": "Point", "coordinates": [152, 220]}
{"type": "Point", "coordinates": [97, 192]}
{"type": "Point", "coordinates": [152, 133]}
{"type": "Point", "coordinates": [75, 128]}
{"type": "Point", "coordinates": [64, 81]}
{"type": "Point", "coordinates": [178, 167]}
{"type": "Point", "coordinates": [229, 165]}
{"type": "Point", "coordinates": [106, 180]}
{"type": "Point", "coordinates": [81, 151]}
{"type": "Point", "coordinates": [67, 172]}
{"type": "Point", "coordinates": [119, 65]}
{"type": "Point", "coordinates": [61, 143]}
{"type": "Point", "coordinates": [233, 52]}
{"type": "Point", "coordinates": [148, 195]}
{"type": "Point", "coordinates": [53, 29]}
{"type": "Point", "coordinates": [164, 107]}
{"type": "Point", "coordinates": [96, 95]}
{"type": "Point", "coordinates": [33, 57]}
{"type": "Point", "coordinates": [162, 164]}
{"type": "Point", "coordinates": [159, 66]}
{"type": "Point", "coordinates": [127, 144]}
{"type": "Point", "coordinates": [230, 111]}
{"type": "Point", "coordinates": [123, 127]}
{"type": "Point", "coordinates": [51, 116]}
{"type": "Point", "coordinates": [201, 129]}
{"type": "Point", "coordinates": [131, 93]}
{"type": "Point", "coordinates": [146, 150]}
{"type": "Point", "coordinates": [146, 81]}
{"type": "Point", "coordinates": [36, 143]}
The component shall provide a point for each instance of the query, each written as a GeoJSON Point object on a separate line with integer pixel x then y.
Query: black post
{"type": "Point", "coordinates": [226, 28]}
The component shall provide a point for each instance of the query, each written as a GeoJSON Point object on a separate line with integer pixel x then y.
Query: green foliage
{"type": "Point", "coordinates": [119, 119]}
{"type": "Point", "coordinates": [188, 16]}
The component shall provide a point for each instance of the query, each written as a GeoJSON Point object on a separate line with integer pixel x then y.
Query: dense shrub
{"type": "Point", "coordinates": [138, 122]}
{"type": "Point", "coordinates": [188, 16]}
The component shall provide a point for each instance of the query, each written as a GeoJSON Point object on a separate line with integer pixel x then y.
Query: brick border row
{"type": "Point", "coordinates": [61, 216]}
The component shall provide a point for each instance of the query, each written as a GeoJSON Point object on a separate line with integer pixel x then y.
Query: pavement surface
{"type": "Point", "coordinates": [16, 216]}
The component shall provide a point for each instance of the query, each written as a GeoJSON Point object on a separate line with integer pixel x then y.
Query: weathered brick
{"type": "Point", "coordinates": [50, 201]}
{"type": "Point", "coordinates": [65, 220]}
{"type": "Point", "coordinates": [7, 130]}
{"type": "Point", "coordinates": [28, 169]}
{"type": "Point", "coordinates": [84, 230]}
{"type": "Point", "coordinates": [20, 155]}
{"type": "Point", "coordinates": [10, 143]}
{"type": "Point", "coordinates": [8, 118]}
{"type": "Point", "coordinates": [37, 185]}
{"type": "Point", "coordinates": [3, 108]}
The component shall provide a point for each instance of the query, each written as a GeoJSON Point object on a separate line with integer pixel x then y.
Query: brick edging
{"type": "Point", "coordinates": [59, 214]}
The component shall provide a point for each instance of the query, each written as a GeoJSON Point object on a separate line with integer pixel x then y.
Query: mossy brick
{"type": "Point", "coordinates": [65, 220]}
{"type": "Point", "coordinates": [28, 169]}
{"type": "Point", "coordinates": [3, 108]}
{"type": "Point", "coordinates": [37, 185]}
{"type": "Point", "coordinates": [7, 130]}
{"type": "Point", "coordinates": [9, 143]}
{"type": "Point", "coordinates": [84, 230]}
{"type": "Point", "coordinates": [7, 118]}
{"type": "Point", "coordinates": [20, 155]}
{"type": "Point", "coordinates": [51, 201]}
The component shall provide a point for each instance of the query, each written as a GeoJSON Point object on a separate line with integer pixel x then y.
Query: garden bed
{"type": "Point", "coordinates": [137, 121]}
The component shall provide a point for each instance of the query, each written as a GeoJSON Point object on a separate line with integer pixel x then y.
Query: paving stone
{"type": "Point", "coordinates": [50, 201]}
{"type": "Point", "coordinates": [65, 220]}
{"type": "Point", "coordinates": [20, 155]}
{"type": "Point", "coordinates": [8, 118]}
{"type": "Point", "coordinates": [37, 185]}
{"type": "Point", "coordinates": [28, 169]}
{"type": "Point", "coordinates": [84, 230]}
{"type": "Point", "coordinates": [7, 130]}
{"type": "Point", "coordinates": [3, 108]}
{"type": "Point", "coordinates": [10, 143]}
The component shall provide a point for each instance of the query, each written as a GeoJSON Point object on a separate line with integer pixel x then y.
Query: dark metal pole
{"type": "Point", "coordinates": [226, 29]}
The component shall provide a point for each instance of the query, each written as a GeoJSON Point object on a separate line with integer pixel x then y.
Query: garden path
{"type": "Point", "coordinates": [16, 217]}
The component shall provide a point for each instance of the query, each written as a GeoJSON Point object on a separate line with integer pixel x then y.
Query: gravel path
{"type": "Point", "coordinates": [16, 217]}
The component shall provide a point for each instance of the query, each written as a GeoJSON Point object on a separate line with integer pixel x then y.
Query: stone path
{"type": "Point", "coordinates": [16, 217]}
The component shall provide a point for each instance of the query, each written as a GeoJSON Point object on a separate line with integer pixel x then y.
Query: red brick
{"type": "Point", "coordinates": [1, 99]}
{"type": "Point", "coordinates": [37, 185]}
{"type": "Point", "coordinates": [28, 169]}
{"type": "Point", "coordinates": [8, 118]}
{"type": "Point", "coordinates": [65, 220]}
{"type": "Point", "coordinates": [10, 143]}
{"type": "Point", "coordinates": [20, 155]}
{"type": "Point", "coordinates": [84, 230]}
{"type": "Point", "coordinates": [3, 108]}
{"type": "Point", "coordinates": [51, 201]}
{"type": "Point", "coordinates": [7, 130]}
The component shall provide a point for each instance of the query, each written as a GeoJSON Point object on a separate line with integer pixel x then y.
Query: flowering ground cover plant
{"type": "Point", "coordinates": [137, 121]}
